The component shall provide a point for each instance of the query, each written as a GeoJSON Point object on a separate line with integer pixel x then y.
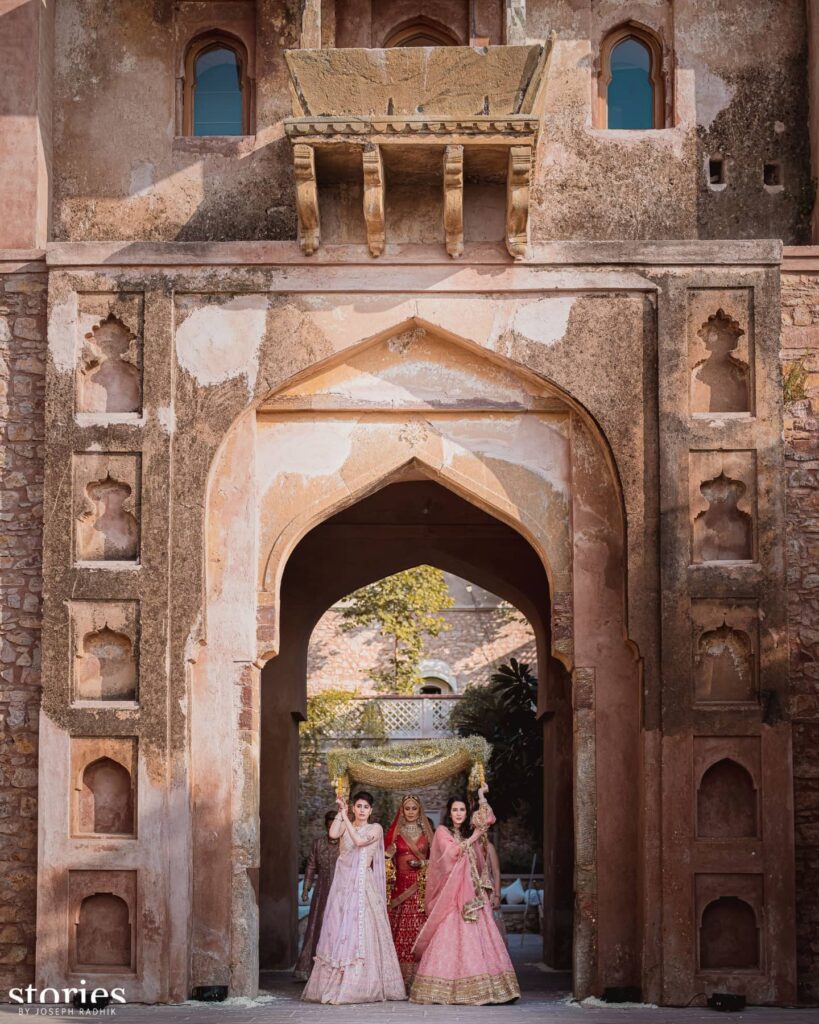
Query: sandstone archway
{"type": "Point", "coordinates": [413, 405]}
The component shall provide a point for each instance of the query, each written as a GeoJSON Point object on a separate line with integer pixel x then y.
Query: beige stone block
{"type": "Point", "coordinates": [440, 81]}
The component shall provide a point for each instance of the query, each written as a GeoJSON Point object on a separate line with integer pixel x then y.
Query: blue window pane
{"type": "Point", "coordinates": [217, 98]}
{"type": "Point", "coordinates": [630, 98]}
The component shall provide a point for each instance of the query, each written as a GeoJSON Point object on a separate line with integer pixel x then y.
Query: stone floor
{"type": "Point", "coordinates": [545, 999]}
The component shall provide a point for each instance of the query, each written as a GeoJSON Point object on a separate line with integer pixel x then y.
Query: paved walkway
{"type": "Point", "coordinates": [545, 999]}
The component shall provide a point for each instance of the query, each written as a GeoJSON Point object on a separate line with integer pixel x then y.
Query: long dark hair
{"type": "Point", "coordinates": [447, 820]}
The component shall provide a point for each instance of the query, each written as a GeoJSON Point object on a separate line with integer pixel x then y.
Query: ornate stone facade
{"type": "Point", "coordinates": [428, 310]}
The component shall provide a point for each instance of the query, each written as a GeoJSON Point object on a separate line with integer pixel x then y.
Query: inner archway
{"type": "Point", "coordinates": [400, 526]}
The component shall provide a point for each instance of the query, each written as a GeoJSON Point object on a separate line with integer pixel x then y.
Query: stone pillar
{"type": "Point", "coordinates": [813, 93]}
{"type": "Point", "coordinates": [26, 43]}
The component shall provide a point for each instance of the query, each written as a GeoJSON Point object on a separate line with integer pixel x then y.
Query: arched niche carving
{"type": "Point", "coordinates": [107, 530]}
{"type": "Point", "coordinates": [104, 932]}
{"type": "Point", "coordinates": [106, 802]}
{"type": "Point", "coordinates": [729, 936]}
{"type": "Point", "coordinates": [727, 802]}
{"type": "Point", "coordinates": [106, 666]}
{"type": "Point", "coordinates": [724, 666]}
{"type": "Point", "coordinates": [420, 31]}
{"type": "Point", "coordinates": [721, 382]}
{"type": "Point", "coordinates": [723, 532]}
{"type": "Point", "coordinates": [109, 379]}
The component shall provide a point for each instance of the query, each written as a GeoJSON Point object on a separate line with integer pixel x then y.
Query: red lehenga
{"type": "Point", "coordinates": [410, 845]}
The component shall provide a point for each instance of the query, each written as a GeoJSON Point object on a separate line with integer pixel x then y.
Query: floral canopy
{"type": "Point", "coordinates": [408, 765]}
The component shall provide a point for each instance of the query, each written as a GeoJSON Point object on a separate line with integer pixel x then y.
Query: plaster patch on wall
{"type": "Point", "coordinates": [545, 320]}
{"type": "Point", "coordinates": [218, 342]}
{"type": "Point", "coordinates": [61, 341]}
{"type": "Point", "coordinates": [714, 94]}
{"type": "Point", "coordinates": [534, 443]}
{"type": "Point", "coordinates": [142, 178]}
{"type": "Point", "coordinates": [166, 415]}
{"type": "Point", "coordinates": [303, 449]}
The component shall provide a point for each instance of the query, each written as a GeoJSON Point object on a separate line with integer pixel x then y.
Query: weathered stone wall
{"type": "Point", "coordinates": [22, 354]}
{"type": "Point", "coordinates": [800, 346]}
{"type": "Point", "coordinates": [739, 92]}
{"type": "Point", "coordinates": [473, 646]}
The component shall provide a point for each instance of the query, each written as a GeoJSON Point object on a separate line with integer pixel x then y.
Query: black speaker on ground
{"type": "Point", "coordinates": [726, 1002]}
{"type": "Point", "coordinates": [210, 993]}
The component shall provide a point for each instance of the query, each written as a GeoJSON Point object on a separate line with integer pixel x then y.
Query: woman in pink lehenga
{"type": "Point", "coordinates": [355, 958]}
{"type": "Point", "coordinates": [463, 958]}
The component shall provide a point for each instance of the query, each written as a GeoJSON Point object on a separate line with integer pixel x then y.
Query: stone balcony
{"type": "Point", "coordinates": [437, 115]}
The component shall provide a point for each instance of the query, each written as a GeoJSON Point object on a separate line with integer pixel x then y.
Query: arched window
{"type": "Point", "coordinates": [217, 89]}
{"type": "Point", "coordinates": [432, 686]}
{"type": "Point", "coordinates": [420, 32]}
{"type": "Point", "coordinates": [630, 86]}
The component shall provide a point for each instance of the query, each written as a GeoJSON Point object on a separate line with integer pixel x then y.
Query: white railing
{"type": "Point", "coordinates": [398, 718]}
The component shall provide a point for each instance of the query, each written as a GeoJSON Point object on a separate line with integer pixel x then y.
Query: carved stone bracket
{"type": "Point", "coordinates": [454, 199]}
{"type": "Point", "coordinates": [517, 200]}
{"type": "Point", "coordinates": [503, 130]}
{"type": "Point", "coordinates": [307, 208]}
{"type": "Point", "coordinates": [374, 198]}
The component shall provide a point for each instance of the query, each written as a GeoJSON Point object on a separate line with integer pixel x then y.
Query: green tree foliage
{"type": "Point", "coordinates": [405, 607]}
{"type": "Point", "coordinates": [505, 713]}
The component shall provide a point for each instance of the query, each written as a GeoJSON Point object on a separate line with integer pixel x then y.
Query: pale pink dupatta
{"type": "Point", "coordinates": [449, 884]}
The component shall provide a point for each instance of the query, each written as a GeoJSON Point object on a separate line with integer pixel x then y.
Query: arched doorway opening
{"type": "Point", "coordinates": [412, 405]}
{"type": "Point", "coordinates": [399, 526]}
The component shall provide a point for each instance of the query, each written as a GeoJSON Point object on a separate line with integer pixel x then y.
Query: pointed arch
{"type": "Point", "coordinates": [645, 41]}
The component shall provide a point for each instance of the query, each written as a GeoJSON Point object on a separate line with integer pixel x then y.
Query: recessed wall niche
{"type": "Point", "coordinates": [727, 773]}
{"type": "Point", "coordinates": [105, 650]}
{"type": "Point", "coordinates": [109, 371]}
{"type": "Point", "coordinates": [102, 910]}
{"type": "Point", "coordinates": [103, 773]}
{"type": "Point", "coordinates": [722, 488]}
{"type": "Point", "coordinates": [720, 351]}
{"type": "Point", "coordinates": [729, 916]}
{"type": "Point", "coordinates": [107, 497]}
{"type": "Point", "coordinates": [726, 802]}
{"type": "Point", "coordinates": [725, 646]}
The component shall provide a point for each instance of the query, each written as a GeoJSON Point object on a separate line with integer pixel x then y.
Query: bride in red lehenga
{"type": "Point", "coordinates": [407, 845]}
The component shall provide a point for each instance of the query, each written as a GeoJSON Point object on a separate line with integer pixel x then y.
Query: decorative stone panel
{"type": "Point", "coordinates": [102, 913]}
{"type": "Point", "coordinates": [725, 651]}
{"type": "Point", "coordinates": [105, 651]}
{"type": "Point", "coordinates": [103, 786]}
{"type": "Point", "coordinates": [109, 368]}
{"type": "Point", "coordinates": [723, 506]}
{"type": "Point", "coordinates": [730, 918]}
{"type": "Point", "coordinates": [107, 495]}
{"type": "Point", "coordinates": [720, 351]}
